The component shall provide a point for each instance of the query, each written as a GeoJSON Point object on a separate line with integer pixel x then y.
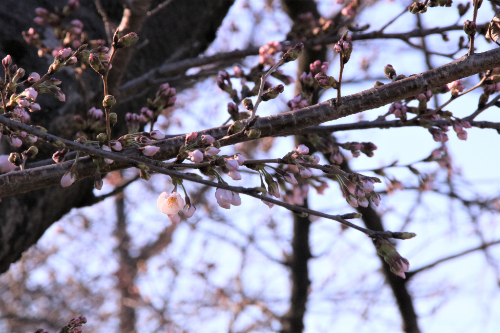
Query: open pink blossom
{"type": "Point", "coordinates": [67, 179]}
{"type": "Point", "coordinates": [150, 150]}
{"type": "Point", "coordinates": [196, 156]}
{"type": "Point", "coordinates": [240, 159]}
{"type": "Point", "coordinates": [5, 165]}
{"type": "Point", "coordinates": [212, 151]}
{"type": "Point", "coordinates": [174, 218]}
{"type": "Point", "coordinates": [189, 212]}
{"type": "Point", "coordinates": [170, 203]}
{"type": "Point", "coordinates": [234, 174]}
{"type": "Point", "coordinates": [157, 134]}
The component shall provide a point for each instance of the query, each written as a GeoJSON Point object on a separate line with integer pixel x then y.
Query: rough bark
{"type": "Point", "coordinates": [180, 26]}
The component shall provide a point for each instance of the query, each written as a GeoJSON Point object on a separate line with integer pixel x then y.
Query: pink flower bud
{"type": "Point", "coordinates": [150, 150]}
{"type": "Point", "coordinates": [5, 165]}
{"type": "Point", "coordinates": [67, 179]}
{"type": "Point", "coordinates": [30, 93]}
{"type": "Point", "coordinates": [231, 164]}
{"type": "Point", "coordinates": [235, 199]}
{"type": "Point", "coordinates": [64, 53]}
{"type": "Point", "coordinates": [212, 151]}
{"type": "Point", "coordinates": [224, 198]}
{"type": "Point", "coordinates": [240, 159]}
{"type": "Point", "coordinates": [421, 97]}
{"type": "Point", "coordinates": [315, 159]}
{"type": "Point", "coordinates": [351, 200]}
{"type": "Point", "coordinates": [34, 77]}
{"type": "Point", "coordinates": [174, 219]}
{"type": "Point", "coordinates": [207, 139]}
{"type": "Point", "coordinates": [157, 134]}
{"type": "Point", "coordinates": [462, 136]}
{"type": "Point", "coordinates": [376, 200]}
{"type": "Point", "coordinates": [238, 72]}
{"type": "Point", "coordinates": [116, 145]}
{"type": "Point", "coordinates": [196, 156]}
{"type": "Point", "coordinates": [107, 160]}
{"type": "Point", "coordinates": [363, 202]}
{"type": "Point", "coordinates": [234, 174]}
{"type": "Point", "coordinates": [15, 141]}
{"type": "Point", "coordinates": [191, 137]}
{"type": "Point", "coordinates": [305, 173]}
{"type": "Point", "coordinates": [290, 178]}
{"type": "Point", "coordinates": [7, 61]}
{"type": "Point", "coordinates": [301, 150]}
{"type": "Point", "coordinates": [367, 186]}
{"type": "Point", "coordinates": [336, 158]}
{"type": "Point", "coordinates": [170, 203]}
{"type": "Point", "coordinates": [269, 204]}
{"type": "Point", "coordinates": [34, 107]}
{"type": "Point", "coordinates": [189, 212]}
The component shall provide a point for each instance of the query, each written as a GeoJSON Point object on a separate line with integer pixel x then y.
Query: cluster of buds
{"type": "Point", "coordinates": [325, 81]}
{"type": "Point", "coordinates": [51, 86]}
{"type": "Point", "coordinates": [306, 27]}
{"type": "Point", "coordinates": [301, 155]}
{"type": "Point", "coordinates": [459, 126]}
{"type": "Point", "coordinates": [197, 149]}
{"type": "Point", "coordinates": [357, 148]}
{"type": "Point", "coordinates": [165, 99]}
{"type": "Point", "coordinates": [349, 11]}
{"type": "Point", "coordinates": [172, 203]}
{"type": "Point", "coordinates": [426, 183]}
{"type": "Point", "coordinates": [93, 123]}
{"type": "Point", "coordinates": [358, 189]}
{"type": "Point", "coordinates": [226, 198]}
{"type": "Point", "coordinates": [63, 57]}
{"type": "Point", "coordinates": [298, 102]}
{"type": "Point", "coordinates": [266, 53]}
{"type": "Point", "coordinates": [439, 133]}
{"type": "Point", "coordinates": [224, 82]}
{"type": "Point", "coordinates": [235, 114]}
{"type": "Point", "coordinates": [440, 3]}
{"type": "Point", "coordinates": [319, 67]}
{"type": "Point", "coordinates": [70, 35]}
{"type": "Point", "coordinates": [489, 89]}
{"type": "Point", "coordinates": [397, 263]}
{"type": "Point", "coordinates": [98, 59]}
{"type": "Point", "coordinates": [417, 8]}
{"type": "Point", "coordinates": [133, 121]}
{"type": "Point", "coordinates": [344, 47]}
{"type": "Point", "coordinates": [398, 109]}
{"type": "Point", "coordinates": [74, 326]}
{"type": "Point", "coordinates": [456, 87]}
{"type": "Point", "coordinates": [307, 84]}
{"type": "Point", "coordinates": [441, 156]}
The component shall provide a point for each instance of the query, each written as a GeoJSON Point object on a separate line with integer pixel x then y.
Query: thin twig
{"type": "Point", "coordinates": [158, 8]}
{"type": "Point", "coordinates": [263, 83]}
{"type": "Point", "coordinates": [472, 36]}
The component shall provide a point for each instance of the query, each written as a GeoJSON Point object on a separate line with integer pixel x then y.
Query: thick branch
{"type": "Point", "coordinates": [276, 125]}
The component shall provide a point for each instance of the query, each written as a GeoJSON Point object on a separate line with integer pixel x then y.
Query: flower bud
{"type": "Point", "coordinates": [397, 263]}
{"type": "Point", "coordinates": [235, 127]}
{"type": "Point", "coordinates": [109, 101]}
{"type": "Point", "coordinates": [127, 40]}
{"type": "Point", "coordinates": [253, 133]}
{"type": "Point", "coordinates": [113, 118]}
{"type": "Point", "coordinates": [16, 159]}
{"type": "Point", "coordinates": [102, 137]}
{"type": "Point", "coordinates": [67, 179]}
{"type": "Point", "coordinates": [32, 151]}
{"type": "Point", "coordinates": [272, 93]}
{"type": "Point", "coordinates": [470, 28]}
{"type": "Point", "coordinates": [389, 72]}
{"type": "Point", "coordinates": [248, 104]}
{"type": "Point", "coordinates": [293, 53]}
{"type": "Point", "coordinates": [7, 61]}
{"type": "Point", "coordinates": [325, 81]}
{"type": "Point", "coordinates": [207, 139]}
